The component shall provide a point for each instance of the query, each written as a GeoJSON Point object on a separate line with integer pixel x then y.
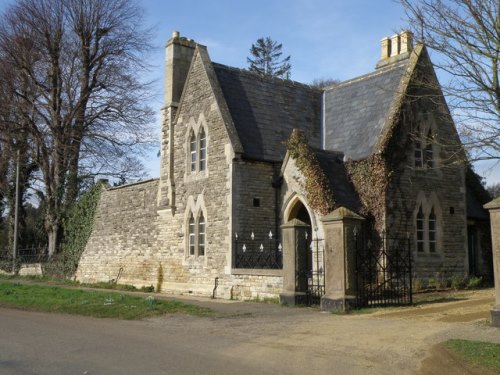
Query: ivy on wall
{"type": "Point", "coordinates": [77, 227]}
{"type": "Point", "coordinates": [318, 193]}
{"type": "Point", "coordinates": [371, 177]}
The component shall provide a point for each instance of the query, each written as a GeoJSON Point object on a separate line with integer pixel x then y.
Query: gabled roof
{"type": "Point", "coordinates": [476, 196]}
{"type": "Point", "coordinates": [356, 111]}
{"type": "Point", "coordinates": [342, 189]}
{"type": "Point", "coordinates": [265, 110]}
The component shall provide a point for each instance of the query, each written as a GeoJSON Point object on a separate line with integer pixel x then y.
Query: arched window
{"type": "Point", "coordinates": [192, 149]}
{"type": "Point", "coordinates": [424, 149]}
{"type": "Point", "coordinates": [203, 150]}
{"type": "Point", "coordinates": [426, 225]}
{"type": "Point", "coordinates": [197, 155]}
{"type": "Point", "coordinates": [196, 235]}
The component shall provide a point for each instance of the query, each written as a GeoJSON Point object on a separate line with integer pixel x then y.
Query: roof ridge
{"type": "Point", "coordinates": [331, 152]}
{"type": "Point", "coordinates": [367, 75]}
{"type": "Point", "coordinates": [287, 82]}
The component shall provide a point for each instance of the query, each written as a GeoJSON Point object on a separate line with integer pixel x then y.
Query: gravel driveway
{"type": "Point", "coordinates": [247, 338]}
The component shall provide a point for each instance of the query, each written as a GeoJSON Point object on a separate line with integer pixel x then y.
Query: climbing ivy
{"type": "Point", "coordinates": [371, 177]}
{"type": "Point", "coordinates": [318, 193]}
{"type": "Point", "coordinates": [77, 227]}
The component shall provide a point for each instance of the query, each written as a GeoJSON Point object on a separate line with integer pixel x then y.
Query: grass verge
{"type": "Point", "coordinates": [479, 354]}
{"type": "Point", "coordinates": [90, 303]}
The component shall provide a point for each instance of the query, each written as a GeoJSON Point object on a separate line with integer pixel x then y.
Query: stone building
{"type": "Point", "coordinates": [267, 184]}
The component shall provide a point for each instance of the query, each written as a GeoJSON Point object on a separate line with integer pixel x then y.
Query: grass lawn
{"type": "Point", "coordinates": [482, 355]}
{"type": "Point", "coordinates": [90, 303]}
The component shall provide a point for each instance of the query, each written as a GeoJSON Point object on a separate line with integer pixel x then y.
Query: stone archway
{"type": "Point", "coordinates": [299, 211]}
{"type": "Point", "coordinates": [297, 259]}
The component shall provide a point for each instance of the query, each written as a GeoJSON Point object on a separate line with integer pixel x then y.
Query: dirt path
{"type": "Point", "coordinates": [272, 339]}
{"type": "Point", "coordinates": [389, 341]}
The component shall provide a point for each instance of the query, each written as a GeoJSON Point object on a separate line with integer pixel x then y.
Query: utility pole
{"type": "Point", "coordinates": [16, 215]}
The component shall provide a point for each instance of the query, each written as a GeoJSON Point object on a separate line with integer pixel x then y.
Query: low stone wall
{"type": "Point", "coordinates": [123, 243]}
{"type": "Point", "coordinates": [31, 269]}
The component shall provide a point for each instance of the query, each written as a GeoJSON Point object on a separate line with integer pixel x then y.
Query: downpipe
{"type": "Point", "coordinates": [216, 284]}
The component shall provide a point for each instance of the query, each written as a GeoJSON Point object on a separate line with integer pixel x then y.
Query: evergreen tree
{"type": "Point", "coordinates": [266, 59]}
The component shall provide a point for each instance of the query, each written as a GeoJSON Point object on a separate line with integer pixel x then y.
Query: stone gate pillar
{"type": "Point", "coordinates": [494, 208]}
{"type": "Point", "coordinates": [292, 232]}
{"type": "Point", "coordinates": [340, 259]}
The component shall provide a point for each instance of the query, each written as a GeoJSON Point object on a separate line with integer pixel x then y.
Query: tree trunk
{"type": "Point", "coordinates": [52, 236]}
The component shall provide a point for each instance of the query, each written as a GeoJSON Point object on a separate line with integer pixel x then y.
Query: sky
{"type": "Point", "coordinates": [337, 39]}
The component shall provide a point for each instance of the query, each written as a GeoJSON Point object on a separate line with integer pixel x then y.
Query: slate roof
{"type": "Point", "coordinates": [475, 209]}
{"type": "Point", "coordinates": [343, 190]}
{"type": "Point", "coordinates": [356, 110]}
{"type": "Point", "coordinates": [476, 196]}
{"type": "Point", "coordinates": [265, 111]}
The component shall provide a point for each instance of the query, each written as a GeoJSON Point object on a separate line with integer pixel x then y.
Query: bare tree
{"type": "Point", "coordinates": [494, 190]}
{"type": "Point", "coordinates": [78, 64]}
{"type": "Point", "coordinates": [15, 147]}
{"type": "Point", "coordinates": [323, 83]}
{"type": "Point", "coordinates": [466, 35]}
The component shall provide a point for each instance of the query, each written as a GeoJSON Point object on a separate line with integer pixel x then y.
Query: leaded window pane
{"type": "Point", "coordinates": [192, 148]}
{"type": "Point", "coordinates": [201, 235]}
{"type": "Point", "coordinates": [429, 152]}
{"type": "Point", "coordinates": [192, 245]}
{"type": "Point", "coordinates": [432, 231]}
{"type": "Point", "coordinates": [203, 150]}
{"type": "Point", "coordinates": [418, 154]}
{"type": "Point", "coordinates": [420, 230]}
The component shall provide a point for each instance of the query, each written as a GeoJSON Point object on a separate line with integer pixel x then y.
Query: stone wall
{"type": "Point", "coordinates": [441, 187]}
{"type": "Point", "coordinates": [124, 237]}
{"type": "Point", "coordinates": [254, 199]}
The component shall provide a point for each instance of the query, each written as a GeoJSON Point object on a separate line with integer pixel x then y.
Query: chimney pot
{"type": "Point", "coordinates": [176, 34]}
{"type": "Point", "coordinates": [395, 45]}
{"type": "Point", "coordinates": [385, 48]}
{"type": "Point", "coordinates": [406, 41]}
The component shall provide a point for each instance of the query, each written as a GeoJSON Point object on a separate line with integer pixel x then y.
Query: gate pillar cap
{"type": "Point", "coordinates": [342, 213]}
{"type": "Point", "coordinates": [295, 223]}
{"type": "Point", "coordinates": [495, 203]}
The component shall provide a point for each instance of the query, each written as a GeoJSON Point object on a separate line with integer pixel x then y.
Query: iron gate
{"type": "Point", "coordinates": [311, 277]}
{"type": "Point", "coordinates": [383, 273]}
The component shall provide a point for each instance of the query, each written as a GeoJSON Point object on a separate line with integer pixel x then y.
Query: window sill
{"type": "Point", "coordinates": [196, 176]}
{"type": "Point", "coordinates": [257, 272]}
{"type": "Point", "coordinates": [428, 256]}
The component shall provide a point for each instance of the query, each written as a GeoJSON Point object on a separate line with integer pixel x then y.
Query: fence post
{"type": "Point", "coordinates": [494, 208]}
{"type": "Point", "coordinates": [293, 288]}
{"type": "Point", "coordinates": [340, 259]}
{"type": "Point", "coordinates": [16, 216]}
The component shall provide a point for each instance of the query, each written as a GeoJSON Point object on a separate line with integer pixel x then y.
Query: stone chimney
{"type": "Point", "coordinates": [406, 41]}
{"type": "Point", "coordinates": [179, 52]}
{"type": "Point", "coordinates": [395, 48]}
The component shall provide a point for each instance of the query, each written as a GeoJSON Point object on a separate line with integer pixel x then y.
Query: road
{"type": "Point", "coordinates": [245, 338]}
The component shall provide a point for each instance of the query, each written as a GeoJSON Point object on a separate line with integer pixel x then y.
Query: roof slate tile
{"type": "Point", "coordinates": [265, 110]}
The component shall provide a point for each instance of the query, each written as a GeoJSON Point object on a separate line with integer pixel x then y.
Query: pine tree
{"type": "Point", "coordinates": [267, 60]}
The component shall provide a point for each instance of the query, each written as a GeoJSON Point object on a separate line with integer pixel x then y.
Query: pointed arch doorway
{"type": "Point", "coordinates": [303, 255]}
{"type": "Point", "coordinates": [300, 270]}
